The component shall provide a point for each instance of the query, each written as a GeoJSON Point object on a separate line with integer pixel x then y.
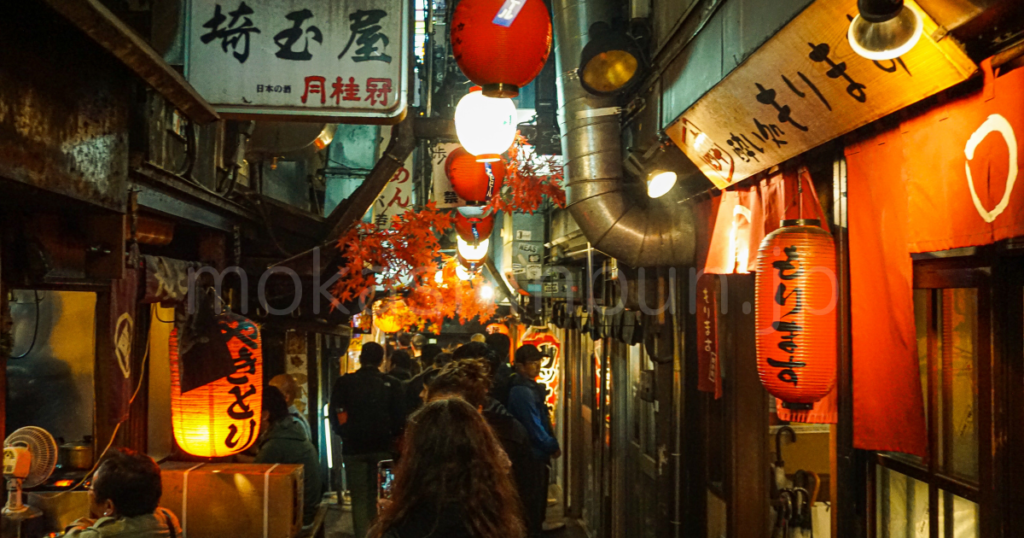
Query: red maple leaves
{"type": "Point", "coordinates": [530, 177]}
{"type": "Point", "coordinates": [403, 261]}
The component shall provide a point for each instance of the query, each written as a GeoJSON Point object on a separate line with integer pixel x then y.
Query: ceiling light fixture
{"type": "Point", "coordinates": [660, 182]}
{"type": "Point", "coordinates": [884, 29]}
{"type": "Point", "coordinates": [610, 62]}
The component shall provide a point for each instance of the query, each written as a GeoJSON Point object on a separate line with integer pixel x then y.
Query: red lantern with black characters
{"type": "Point", "coordinates": [475, 182]}
{"type": "Point", "coordinates": [796, 298]}
{"type": "Point", "coordinates": [501, 45]}
{"type": "Point", "coordinates": [473, 229]}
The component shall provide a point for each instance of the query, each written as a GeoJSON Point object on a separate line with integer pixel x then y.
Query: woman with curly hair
{"type": "Point", "coordinates": [451, 482]}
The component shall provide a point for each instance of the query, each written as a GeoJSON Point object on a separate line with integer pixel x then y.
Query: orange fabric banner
{"type": "Point", "coordinates": [888, 403]}
{"type": "Point", "coordinates": [960, 161]}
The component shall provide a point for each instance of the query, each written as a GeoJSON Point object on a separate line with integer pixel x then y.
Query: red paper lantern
{"type": "Point", "coordinates": [473, 229]}
{"type": "Point", "coordinates": [796, 298]}
{"type": "Point", "coordinates": [475, 182]}
{"type": "Point", "coordinates": [223, 417]}
{"type": "Point", "coordinates": [497, 48]}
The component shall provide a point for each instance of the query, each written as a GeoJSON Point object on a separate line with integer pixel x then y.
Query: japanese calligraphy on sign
{"type": "Point", "coordinates": [397, 196]}
{"type": "Point", "coordinates": [444, 193]}
{"type": "Point", "coordinates": [804, 87]}
{"type": "Point", "coordinates": [338, 60]}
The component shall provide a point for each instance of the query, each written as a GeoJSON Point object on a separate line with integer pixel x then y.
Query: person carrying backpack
{"type": "Point", "coordinates": [368, 413]}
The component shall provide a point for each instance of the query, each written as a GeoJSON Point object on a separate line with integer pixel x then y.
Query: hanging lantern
{"type": "Point", "coordinates": [223, 417]}
{"type": "Point", "coordinates": [388, 317]}
{"type": "Point", "coordinates": [475, 182]}
{"type": "Point", "coordinates": [486, 126]}
{"type": "Point", "coordinates": [473, 253]}
{"type": "Point", "coordinates": [473, 229]}
{"type": "Point", "coordinates": [501, 45]}
{"type": "Point", "coordinates": [796, 297]}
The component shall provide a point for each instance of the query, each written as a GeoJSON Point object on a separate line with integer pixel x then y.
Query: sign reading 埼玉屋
{"type": "Point", "coordinates": [331, 59]}
{"type": "Point", "coordinates": [807, 86]}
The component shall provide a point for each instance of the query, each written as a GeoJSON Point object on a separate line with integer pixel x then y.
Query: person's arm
{"type": "Point", "coordinates": [521, 406]}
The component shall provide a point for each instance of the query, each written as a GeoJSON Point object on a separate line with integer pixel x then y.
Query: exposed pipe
{"type": "Point", "coordinates": [614, 214]}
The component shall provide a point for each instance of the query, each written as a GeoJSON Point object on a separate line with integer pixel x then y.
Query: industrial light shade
{"type": "Point", "coordinates": [884, 29]}
{"type": "Point", "coordinates": [660, 182]}
{"type": "Point", "coordinates": [486, 126]}
{"type": "Point", "coordinates": [610, 62]}
{"type": "Point", "coordinates": [473, 253]}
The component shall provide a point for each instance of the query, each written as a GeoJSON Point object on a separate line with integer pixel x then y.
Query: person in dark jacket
{"type": "Point", "coordinates": [500, 346]}
{"type": "Point", "coordinates": [414, 388]}
{"type": "Point", "coordinates": [368, 413]}
{"type": "Point", "coordinates": [284, 441]}
{"type": "Point", "coordinates": [401, 365]}
{"type": "Point", "coordinates": [452, 480]}
{"type": "Point", "coordinates": [470, 380]}
{"type": "Point", "coordinates": [526, 402]}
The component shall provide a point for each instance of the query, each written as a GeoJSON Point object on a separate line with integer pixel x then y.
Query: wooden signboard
{"type": "Point", "coordinates": [804, 87]}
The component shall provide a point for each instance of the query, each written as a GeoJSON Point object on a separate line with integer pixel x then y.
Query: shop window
{"type": "Point", "coordinates": [941, 496]}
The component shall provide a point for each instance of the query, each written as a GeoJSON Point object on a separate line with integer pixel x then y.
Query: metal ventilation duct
{"type": "Point", "coordinates": [614, 213]}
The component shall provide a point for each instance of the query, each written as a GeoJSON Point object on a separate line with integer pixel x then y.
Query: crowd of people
{"type": "Point", "coordinates": [470, 433]}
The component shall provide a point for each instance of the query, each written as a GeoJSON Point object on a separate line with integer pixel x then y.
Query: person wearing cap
{"type": "Point", "coordinates": [526, 402]}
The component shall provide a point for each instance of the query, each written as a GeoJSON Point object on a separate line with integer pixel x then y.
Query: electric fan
{"type": "Point", "coordinates": [30, 454]}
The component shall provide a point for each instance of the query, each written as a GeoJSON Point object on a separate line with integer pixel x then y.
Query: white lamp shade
{"type": "Point", "coordinates": [486, 126]}
{"type": "Point", "coordinates": [463, 273]}
{"type": "Point", "coordinates": [886, 40]}
{"type": "Point", "coordinates": [659, 183]}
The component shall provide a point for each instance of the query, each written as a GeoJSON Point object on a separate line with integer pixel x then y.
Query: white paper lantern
{"type": "Point", "coordinates": [486, 126]}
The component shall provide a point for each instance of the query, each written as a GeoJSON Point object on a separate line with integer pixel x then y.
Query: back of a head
{"type": "Point", "coordinates": [468, 379]}
{"type": "Point", "coordinates": [478, 337]}
{"type": "Point", "coordinates": [472, 350]}
{"type": "Point", "coordinates": [131, 480]}
{"type": "Point", "coordinates": [404, 339]}
{"type": "Point", "coordinates": [528, 353]}
{"type": "Point", "coordinates": [430, 351]}
{"type": "Point", "coordinates": [275, 404]}
{"type": "Point", "coordinates": [499, 344]}
{"type": "Point", "coordinates": [442, 359]}
{"type": "Point", "coordinates": [401, 359]}
{"type": "Point", "coordinates": [372, 355]}
{"type": "Point", "coordinates": [287, 385]}
{"type": "Point", "coordinates": [418, 341]}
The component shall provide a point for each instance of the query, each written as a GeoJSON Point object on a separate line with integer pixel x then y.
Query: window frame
{"type": "Point", "coordinates": [936, 275]}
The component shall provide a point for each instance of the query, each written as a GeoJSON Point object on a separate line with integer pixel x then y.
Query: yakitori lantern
{"type": "Point", "coordinates": [475, 182]}
{"type": "Point", "coordinates": [473, 229]}
{"type": "Point", "coordinates": [223, 417]}
{"type": "Point", "coordinates": [486, 126]}
{"type": "Point", "coordinates": [501, 44]}
{"type": "Point", "coordinates": [796, 298]}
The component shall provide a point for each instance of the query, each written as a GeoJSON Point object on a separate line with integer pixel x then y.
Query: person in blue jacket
{"type": "Point", "coordinates": [526, 402]}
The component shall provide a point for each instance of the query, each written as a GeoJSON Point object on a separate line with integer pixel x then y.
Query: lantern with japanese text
{"type": "Point", "coordinates": [473, 229]}
{"type": "Point", "coordinates": [221, 418]}
{"type": "Point", "coordinates": [501, 45]}
{"type": "Point", "coordinates": [475, 182]}
{"type": "Point", "coordinates": [796, 298]}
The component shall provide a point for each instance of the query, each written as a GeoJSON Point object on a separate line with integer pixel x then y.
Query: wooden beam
{"type": "Point", "coordinates": [115, 36]}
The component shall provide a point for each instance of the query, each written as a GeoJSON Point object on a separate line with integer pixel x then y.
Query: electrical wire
{"type": "Point", "coordinates": [117, 427]}
{"type": "Point", "coordinates": [35, 332]}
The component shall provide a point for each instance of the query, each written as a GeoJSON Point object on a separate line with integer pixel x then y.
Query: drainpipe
{"type": "Point", "coordinates": [614, 213]}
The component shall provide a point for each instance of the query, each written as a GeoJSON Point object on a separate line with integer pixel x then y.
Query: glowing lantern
{"type": "Point", "coordinates": [473, 254]}
{"type": "Point", "coordinates": [473, 229]}
{"type": "Point", "coordinates": [486, 126]}
{"type": "Point", "coordinates": [392, 315]}
{"type": "Point", "coordinates": [501, 45]}
{"type": "Point", "coordinates": [223, 417]}
{"type": "Point", "coordinates": [475, 182]}
{"type": "Point", "coordinates": [796, 313]}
